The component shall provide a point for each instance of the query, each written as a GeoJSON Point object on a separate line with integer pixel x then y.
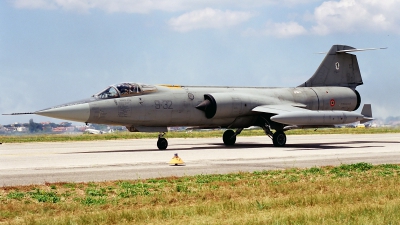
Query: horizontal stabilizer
{"type": "Point", "coordinates": [354, 50]}
{"type": "Point", "coordinates": [359, 49]}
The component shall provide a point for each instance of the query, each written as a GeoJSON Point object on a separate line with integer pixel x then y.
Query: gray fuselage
{"type": "Point", "coordinates": [176, 106]}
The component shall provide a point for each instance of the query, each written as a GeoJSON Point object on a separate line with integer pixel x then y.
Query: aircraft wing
{"type": "Point", "coordinates": [279, 109]}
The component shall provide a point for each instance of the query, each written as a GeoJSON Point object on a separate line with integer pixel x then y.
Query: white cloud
{"type": "Point", "coordinates": [34, 4]}
{"type": "Point", "coordinates": [347, 16]}
{"type": "Point", "coordinates": [279, 30]}
{"type": "Point", "coordinates": [339, 16]}
{"type": "Point", "coordinates": [344, 16]}
{"type": "Point", "coordinates": [208, 18]}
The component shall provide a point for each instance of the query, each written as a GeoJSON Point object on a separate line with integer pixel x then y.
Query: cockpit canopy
{"type": "Point", "coordinates": [125, 90]}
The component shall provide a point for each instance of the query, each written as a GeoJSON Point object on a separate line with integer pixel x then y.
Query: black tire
{"type": "Point", "coordinates": [162, 143]}
{"type": "Point", "coordinates": [279, 139]}
{"type": "Point", "coordinates": [229, 137]}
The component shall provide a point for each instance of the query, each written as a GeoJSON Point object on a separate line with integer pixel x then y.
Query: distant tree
{"type": "Point", "coordinates": [32, 126]}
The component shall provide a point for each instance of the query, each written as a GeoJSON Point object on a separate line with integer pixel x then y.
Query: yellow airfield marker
{"type": "Point", "coordinates": [176, 160]}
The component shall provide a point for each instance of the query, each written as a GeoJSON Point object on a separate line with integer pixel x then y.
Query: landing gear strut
{"type": "Point", "coordinates": [162, 143]}
{"type": "Point", "coordinates": [278, 138]}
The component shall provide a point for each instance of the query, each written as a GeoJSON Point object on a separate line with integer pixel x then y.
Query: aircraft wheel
{"type": "Point", "coordinates": [229, 137]}
{"type": "Point", "coordinates": [279, 139]}
{"type": "Point", "coordinates": [162, 143]}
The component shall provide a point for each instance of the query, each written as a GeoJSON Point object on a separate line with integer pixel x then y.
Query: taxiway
{"type": "Point", "coordinates": [38, 163]}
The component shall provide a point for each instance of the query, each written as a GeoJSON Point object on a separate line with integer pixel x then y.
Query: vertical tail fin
{"type": "Point", "coordinates": [367, 113]}
{"type": "Point", "coordinates": [337, 69]}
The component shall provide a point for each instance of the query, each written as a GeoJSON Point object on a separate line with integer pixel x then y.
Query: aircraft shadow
{"type": "Point", "coordinates": [288, 147]}
{"type": "Point", "coordinates": [338, 145]}
{"type": "Point", "coordinates": [210, 146]}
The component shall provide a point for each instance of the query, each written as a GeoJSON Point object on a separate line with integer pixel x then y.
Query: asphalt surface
{"type": "Point", "coordinates": [39, 163]}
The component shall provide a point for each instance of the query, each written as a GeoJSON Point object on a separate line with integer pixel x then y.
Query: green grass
{"type": "Point", "coordinates": [193, 134]}
{"type": "Point", "coordinates": [347, 194]}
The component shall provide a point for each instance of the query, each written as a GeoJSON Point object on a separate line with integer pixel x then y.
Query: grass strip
{"type": "Point", "coordinates": [180, 134]}
{"type": "Point", "coordinates": [347, 194]}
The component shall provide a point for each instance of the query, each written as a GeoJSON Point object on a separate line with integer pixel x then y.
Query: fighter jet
{"type": "Point", "coordinates": [326, 99]}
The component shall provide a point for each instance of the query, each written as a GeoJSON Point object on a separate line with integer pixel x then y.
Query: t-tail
{"type": "Point", "coordinates": [339, 68]}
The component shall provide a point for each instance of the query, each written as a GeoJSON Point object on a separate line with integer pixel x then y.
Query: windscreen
{"type": "Point", "coordinates": [110, 92]}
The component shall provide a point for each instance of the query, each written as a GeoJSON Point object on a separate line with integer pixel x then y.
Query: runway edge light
{"type": "Point", "coordinates": [176, 160]}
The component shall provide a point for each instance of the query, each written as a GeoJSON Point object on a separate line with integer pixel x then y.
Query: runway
{"type": "Point", "coordinates": [38, 163]}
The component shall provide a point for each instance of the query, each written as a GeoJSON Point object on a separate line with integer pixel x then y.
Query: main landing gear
{"type": "Point", "coordinates": [278, 138]}
{"type": "Point", "coordinates": [162, 143]}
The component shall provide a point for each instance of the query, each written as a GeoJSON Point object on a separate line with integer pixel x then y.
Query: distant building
{"type": "Point", "coordinates": [22, 129]}
{"type": "Point", "coordinates": [63, 129]}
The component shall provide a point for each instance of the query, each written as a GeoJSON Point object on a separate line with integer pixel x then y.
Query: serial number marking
{"type": "Point", "coordinates": [167, 104]}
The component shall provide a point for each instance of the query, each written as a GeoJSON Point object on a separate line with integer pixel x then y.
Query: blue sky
{"type": "Point", "coordinates": [56, 51]}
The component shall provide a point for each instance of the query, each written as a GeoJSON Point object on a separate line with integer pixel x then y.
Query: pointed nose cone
{"type": "Point", "coordinates": [78, 112]}
{"type": "Point", "coordinates": [203, 105]}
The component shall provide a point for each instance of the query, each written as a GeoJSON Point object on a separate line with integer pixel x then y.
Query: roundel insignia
{"type": "Point", "coordinates": [337, 65]}
{"type": "Point", "coordinates": [332, 102]}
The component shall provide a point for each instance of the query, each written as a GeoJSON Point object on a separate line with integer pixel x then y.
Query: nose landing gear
{"type": "Point", "coordinates": [162, 143]}
{"type": "Point", "coordinates": [229, 136]}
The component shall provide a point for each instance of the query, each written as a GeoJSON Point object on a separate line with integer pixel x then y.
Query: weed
{"type": "Point", "coordinates": [157, 181]}
{"type": "Point", "coordinates": [390, 166]}
{"type": "Point", "coordinates": [16, 195]}
{"type": "Point", "coordinates": [69, 185]}
{"type": "Point", "coordinates": [133, 189]}
{"type": "Point", "coordinates": [96, 192]}
{"type": "Point", "coordinates": [44, 196]}
{"type": "Point", "coordinates": [359, 167]}
{"type": "Point", "coordinates": [181, 188]}
{"type": "Point", "coordinates": [313, 171]}
{"type": "Point", "coordinates": [92, 184]}
{"type": "Point", "coordinates": [93, 201]}
{"type": "Point", "coordinates": [262, 205]}
{"type": "Point", "coordinates": [386, 173]}
{"type": "Point", "coordinates": [293, 178]}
